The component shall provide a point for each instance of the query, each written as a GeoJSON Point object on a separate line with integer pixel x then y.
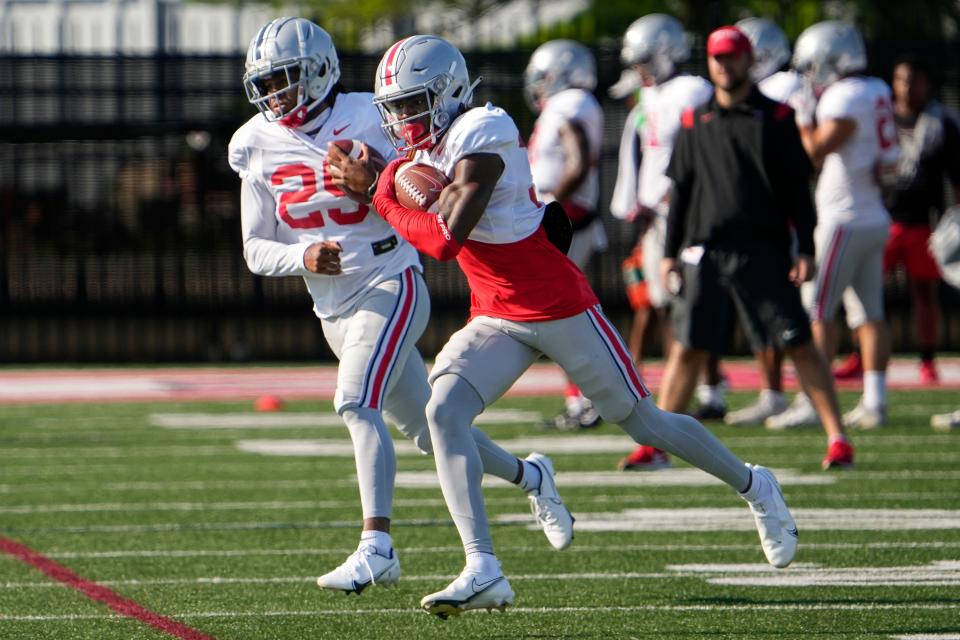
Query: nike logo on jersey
{"type": "Point", "coordinates": [337, 132]}
{"type": "Point", "coordinates": [793, 532]}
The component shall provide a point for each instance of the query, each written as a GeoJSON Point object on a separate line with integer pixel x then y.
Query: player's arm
{"type": "Point", "coordinates": [823, 139]}
{"type": "Point", "coordinates": [577, 161]}
{"type": "Point", "coordinates": [264, 254]}
{"type": "Point", "coordinates": [464, 200]}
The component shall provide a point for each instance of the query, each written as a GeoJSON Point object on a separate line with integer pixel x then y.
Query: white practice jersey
{"type": "Point", "coordinates": [288, 202]}
{"type": "Point", "coordinates": [847, 190]}
{"type": "Point", "coordinates": [547, 156]}
{"type": "Point", "coordinates": [782, 86]}
{"type": "Point", "coordinates": [662, 105]}
{"type": "Point", "coordinates": [513, 212]}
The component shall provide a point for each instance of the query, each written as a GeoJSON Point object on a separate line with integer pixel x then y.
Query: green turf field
{"type": "Point", "coordinates": [208, 525]}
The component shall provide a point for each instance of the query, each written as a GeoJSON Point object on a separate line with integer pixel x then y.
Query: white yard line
{"type": "Point", "coordinates": [654, 608]}
{"type": "Point", "coordinates": [349, 503]}
{"type": "Point", "coordinates": [577, 548]}
{"type": "Point", "coordinates": [281, 420]}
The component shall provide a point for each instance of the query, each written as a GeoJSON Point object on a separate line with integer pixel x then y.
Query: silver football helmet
{"type": "Point", "coordinates": [555, 66]}
{"type": "Point", "coordinates": [657, 43]}
{"type": "Point", "coordinates": [421, 86]}
{"type": "Point", "coordinates": [295, 55]}
{"type": "Point", "coordinates": [828, 51]}
{"type": "Point", "coordinates": [771, 49]}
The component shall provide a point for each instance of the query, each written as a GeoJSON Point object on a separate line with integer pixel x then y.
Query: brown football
{"type": "Point", "coordinates": [419, 185]}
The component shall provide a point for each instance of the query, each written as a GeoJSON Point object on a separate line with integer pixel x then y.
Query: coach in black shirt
{"type": "Point", "coordinates": [741, 181]}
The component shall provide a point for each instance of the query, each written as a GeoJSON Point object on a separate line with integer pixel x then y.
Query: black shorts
{"type": "Point", "coordinates": [757, 284]}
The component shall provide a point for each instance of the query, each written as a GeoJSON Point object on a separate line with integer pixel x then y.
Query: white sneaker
{"type": "Point", "coordinates": [800, 414]}
{"type": "Point", "coordinates": [778, 531]}
{"type": "Point", "coordinates": [361, 569]}
{"type": "Point", "coordinates": [471, 590]}
{"type": "Point", "coordinates": [864, 418]}
{"type": "Point", "coordinates": [946, 421]}
{"type": "Point", "coordinates": [547, 507]}
{"type": "Point", "coordinates": [770, 403]}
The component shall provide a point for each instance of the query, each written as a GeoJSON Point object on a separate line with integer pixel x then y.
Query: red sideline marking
{"type": "Point", "coordinates": [97, 592]}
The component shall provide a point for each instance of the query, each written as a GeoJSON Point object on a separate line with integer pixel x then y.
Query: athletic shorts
{"type": "Point", "coordinates": [908, 245]}
{"type": "Point", "coordinates": [492, 353]}
{"type": "Point", "coordinates": [375, 337]}
{"type": "Point", "coordinates": [849, 268]}
{"type": "Point", "coordinates": [755, 285]}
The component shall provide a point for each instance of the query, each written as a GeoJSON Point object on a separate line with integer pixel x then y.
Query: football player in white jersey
{"type": "Point", "coordinates": [527, 299]}
{"type": "Point", "coordinates": [654, 46]}
{"type": "Point", "coordinates": [852, 135]}
{"type": "Point", "coordinates": [564, 153]}
{"type": "Point", "coordinates": [305, 212]}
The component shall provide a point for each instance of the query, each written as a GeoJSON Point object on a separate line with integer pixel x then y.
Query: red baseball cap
{"type": "Point", "coordinates": [728, 40]}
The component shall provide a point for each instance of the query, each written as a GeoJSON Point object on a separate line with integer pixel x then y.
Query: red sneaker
{"type": "Point", "coordinates": [645, 458]}
{"type": "Point", "coordinates": [839, 455]}
{"type": "Point", "coordinates": [928, 373]}
{"type": "Point", "coordinates": [850, 368]}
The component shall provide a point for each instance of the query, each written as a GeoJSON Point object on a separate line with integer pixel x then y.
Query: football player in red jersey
{"type": "Point", "coordinates": [527, 299]}
{"type": "Point", "coordinates": [305, 212]}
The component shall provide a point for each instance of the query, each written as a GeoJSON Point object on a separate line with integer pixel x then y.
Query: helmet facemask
{"type": "Point", "coordinates": [291, 68]}
{"type": "Point", "coordinates": [416, 118]}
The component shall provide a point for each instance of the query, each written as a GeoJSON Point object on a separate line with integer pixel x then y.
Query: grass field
{"type": "Point", "coordinates": [190, 511]}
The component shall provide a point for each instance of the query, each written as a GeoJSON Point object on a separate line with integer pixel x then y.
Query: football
{"type": "Point", "coordinates": [350, 147]}
{"type": "Point", "coordinates": [419, 185]}
{"type": "Point", "coordinates": [354, 149]}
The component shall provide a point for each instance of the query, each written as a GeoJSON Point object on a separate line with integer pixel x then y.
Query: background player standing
{"type": "Point", "coordinates": [564, 153]}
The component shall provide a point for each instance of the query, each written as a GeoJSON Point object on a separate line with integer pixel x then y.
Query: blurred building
{"type": "Point", "coordinates": [145, 27]}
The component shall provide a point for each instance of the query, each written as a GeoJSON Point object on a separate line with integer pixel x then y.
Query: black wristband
{"type": "Point", "coordinates": [372, 189]}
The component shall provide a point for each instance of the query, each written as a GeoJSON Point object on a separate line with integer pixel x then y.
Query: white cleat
{"type": "Point", "coordinates": [778, 531]}
{"type": "Point", "coordinates": [946, 421]}
{"type": "Point", "coordinates": [362, 568]}
{"type": "Point", "coordinates": [471, 590]}
{"type": "Point", "coordinates": [800, 414]}
{"type": "Point", "coordinates": [864, 418]}
{"type": "Point", "coordinates": [769, 404]}
{"type": "Point", "coordinates": [547, 507]}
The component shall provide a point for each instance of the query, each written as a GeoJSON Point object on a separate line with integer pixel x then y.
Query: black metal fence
{"type": "Point", "coordinates": [120, 227]}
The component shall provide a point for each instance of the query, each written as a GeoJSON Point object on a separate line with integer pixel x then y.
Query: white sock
{"type": "Point", "coordinates": [574, 405]}
{"type": "Point", "coordinates": [484, 564]}
{"type": "Point", "coordinates": [771, 396]}
{"type": "Point", "coordinates": [756, 486]}
{"type": "Point", "coordinates": [380, 540]}
{"type": "Point", "coordinates": [530, 481]}
{"type": "Point", "coordinates": [710, 395]}
{"type": "Point", "coordinates": [874, 389]}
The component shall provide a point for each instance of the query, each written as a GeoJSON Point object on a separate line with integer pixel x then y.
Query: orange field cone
{"type": "Point", "coordinates": [268, 403]}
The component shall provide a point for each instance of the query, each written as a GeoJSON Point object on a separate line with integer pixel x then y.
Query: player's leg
{"type": "Point", "coordinates": [865, 314]}
{"type": "Point", "coordinates": [772, 315]}
{"type": "Point", "coordinates": [372, 341]}
{"type": "Point", "coordinates": [405, 406]}
{"type": "Point", "coordinates": [698, 318]}
{"type": "Point", "coordinates": [578, 411]}
{"type": "Point", "coordinates": [924, 277]}
{"type": "Point", "coordinates": [820, 298]}
{"type": "Point", "coordinates": [476, 366]}
{"type": "Point", "coordinates": [598, 360]}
